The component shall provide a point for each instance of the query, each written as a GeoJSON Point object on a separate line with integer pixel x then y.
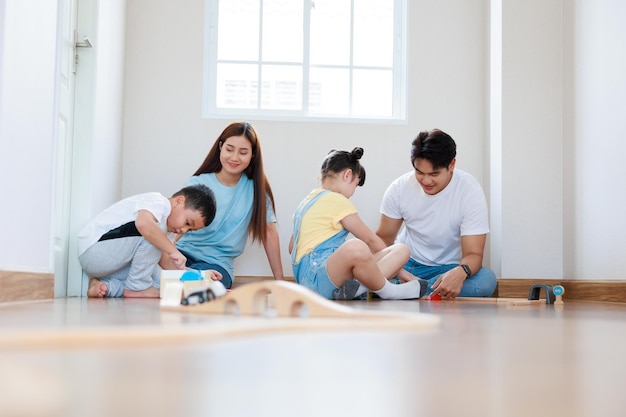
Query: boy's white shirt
{"type": "Point", "coordinates": [123, 212]}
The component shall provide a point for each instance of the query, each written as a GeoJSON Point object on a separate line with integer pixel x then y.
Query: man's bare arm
{"type": "Point", "coordinates": [388, 229]}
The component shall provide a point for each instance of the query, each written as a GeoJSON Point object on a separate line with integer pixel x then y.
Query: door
{"type": "Point", "coordinates": [66, 81]}
{"type": "Point", "coordinates": [73, 151]}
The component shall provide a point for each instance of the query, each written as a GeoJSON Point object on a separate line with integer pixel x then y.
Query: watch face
{"type": "Point", "coordinates": [467, 270]}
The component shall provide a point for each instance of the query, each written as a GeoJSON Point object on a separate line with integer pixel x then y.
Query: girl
{"type": "Point", "coordinates": [233, 169]}
{"type": "Point", "coordinates": [324, 261]}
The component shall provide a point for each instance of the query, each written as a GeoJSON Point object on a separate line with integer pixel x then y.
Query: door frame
{"type": "Point", "coordinates": [72, 174]}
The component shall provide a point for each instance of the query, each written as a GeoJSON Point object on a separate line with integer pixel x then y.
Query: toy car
{"type": "Point", "coordinates": [213, 291]}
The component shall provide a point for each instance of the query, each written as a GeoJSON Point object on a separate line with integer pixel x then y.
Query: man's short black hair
{"type": "Point", "coordinates": [435, 146]}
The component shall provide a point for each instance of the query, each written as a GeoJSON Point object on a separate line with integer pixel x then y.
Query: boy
{"type": "Point", "coordinates": [121, 247]}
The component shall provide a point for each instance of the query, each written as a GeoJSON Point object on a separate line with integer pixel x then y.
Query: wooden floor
{"type": "Point", "coordinates": [80, 357]}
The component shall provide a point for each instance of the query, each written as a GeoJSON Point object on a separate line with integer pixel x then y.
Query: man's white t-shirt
{"type": "Point", "coordinates": [434, 224]}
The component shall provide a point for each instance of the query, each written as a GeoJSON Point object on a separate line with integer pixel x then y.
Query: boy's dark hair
{"type": "Point", "coordinates": [200, 198]}
{"type": "Point", "coordinates": [337, 161]}
{"type": "Point", "coordinates": [435, 146]}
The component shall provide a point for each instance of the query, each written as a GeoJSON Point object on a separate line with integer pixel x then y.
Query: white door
{"type": "Point", "coordinates": [75, 82]}
{"type": "Point", "coordinates": [64, 142]}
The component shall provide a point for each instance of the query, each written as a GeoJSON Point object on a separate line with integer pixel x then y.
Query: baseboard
{"type": "Point", "coordinates": [575, 290]}
{"type": "Point", "coordinates": [25, 286]}
{"type": "Point", "coordinates": [579, 290]}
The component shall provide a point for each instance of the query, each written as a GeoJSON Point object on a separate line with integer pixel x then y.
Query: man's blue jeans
{"type": "Point", "coordinates": [481, 284]}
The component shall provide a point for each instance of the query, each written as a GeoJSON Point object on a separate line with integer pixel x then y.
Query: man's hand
{"type": "Point", "coordinates": [449, 285]}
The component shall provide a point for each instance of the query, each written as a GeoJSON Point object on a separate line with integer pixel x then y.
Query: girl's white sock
{"type": "Point", "coordinates": [404, 291]}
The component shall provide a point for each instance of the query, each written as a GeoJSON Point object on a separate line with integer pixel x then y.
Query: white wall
{"type": "Point", "coordinates": [2, 4]}
{"type": "Point", "coordinates": [165, 138]}
{"type": "Point", "coordinates": [27, 94]}
{"type": "Point", "coordinates": [531, 139]}
{"type": "Point", "coordinates": [596, 181]}
{"type": "Point", "coordinates": [562, 139]}
{"type": "Point", "coordinates": [106, 168]}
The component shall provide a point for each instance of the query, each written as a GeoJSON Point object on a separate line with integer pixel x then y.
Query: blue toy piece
{"type": "Point", "coordinates": [558, 290]}
{"type": "Point", "coordinates": [191, 275]}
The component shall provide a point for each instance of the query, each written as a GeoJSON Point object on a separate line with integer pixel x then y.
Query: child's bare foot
{"type": "Point", "coordinates": [97, 289]}
{"type": "Point", "coordinates": [147, 293]}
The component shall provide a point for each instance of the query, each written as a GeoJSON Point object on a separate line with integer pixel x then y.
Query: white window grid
{"type": "Point", "coordinates": [302, 92]}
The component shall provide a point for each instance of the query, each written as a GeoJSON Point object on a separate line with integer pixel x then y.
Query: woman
{"type": "Point", "coordinates": [233, 169]}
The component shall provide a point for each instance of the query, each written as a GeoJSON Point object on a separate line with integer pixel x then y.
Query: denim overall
{"type": "Point", "coordinates": [311, 272]}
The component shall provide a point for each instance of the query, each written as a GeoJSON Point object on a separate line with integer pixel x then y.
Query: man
{"type": "Point", "coordinates": [444, 213]}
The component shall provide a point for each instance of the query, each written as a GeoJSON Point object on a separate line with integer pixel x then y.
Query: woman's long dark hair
{"type": "Point", "coordinates": [258, 223]}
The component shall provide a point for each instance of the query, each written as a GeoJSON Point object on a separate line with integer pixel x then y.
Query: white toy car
{"type": "Point", "coordinates": [213, 291]}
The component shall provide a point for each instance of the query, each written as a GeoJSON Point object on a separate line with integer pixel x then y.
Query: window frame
{"type": "Point", "coordinates": [210, 62]}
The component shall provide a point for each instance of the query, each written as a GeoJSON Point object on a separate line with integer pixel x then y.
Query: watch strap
{"type": "Point", "coordinates": [467, 270]}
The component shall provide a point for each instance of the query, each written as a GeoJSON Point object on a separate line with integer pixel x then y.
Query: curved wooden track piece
{"type": "Point", "coordinates": [288, 299]}
{"type": "Point", "coordinates": [291, 308]}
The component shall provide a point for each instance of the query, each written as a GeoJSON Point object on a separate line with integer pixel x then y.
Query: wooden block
{"type": "Point", "coordinates": [172, 295]}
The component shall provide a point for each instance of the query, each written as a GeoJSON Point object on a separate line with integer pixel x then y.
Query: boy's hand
{"type": "Point", "coordinates": [215, 275]}
{"type": "Point", "coordinates": [177, 259]}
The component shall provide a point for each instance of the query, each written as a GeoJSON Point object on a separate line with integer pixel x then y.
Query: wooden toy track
{"type": "Point", "coordinates": [288, 299]}
{"type": "Point", "coordinates": [296, 309]}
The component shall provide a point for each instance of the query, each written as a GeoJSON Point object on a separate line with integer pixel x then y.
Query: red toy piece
{"type": "Point", "coordinates": [435, 297]}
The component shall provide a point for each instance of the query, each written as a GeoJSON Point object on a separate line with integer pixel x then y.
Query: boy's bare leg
{"type": "Point", "coordinates": [147, 293]}
{"type": "Point", "coordinates": [97, 289]}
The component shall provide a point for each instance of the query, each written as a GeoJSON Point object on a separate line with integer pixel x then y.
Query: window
{"type": "Point", "coordinates": [303, 59]}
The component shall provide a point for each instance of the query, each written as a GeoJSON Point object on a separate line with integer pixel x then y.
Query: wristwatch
{"type": "Point", "coordinates": [467, 270]}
